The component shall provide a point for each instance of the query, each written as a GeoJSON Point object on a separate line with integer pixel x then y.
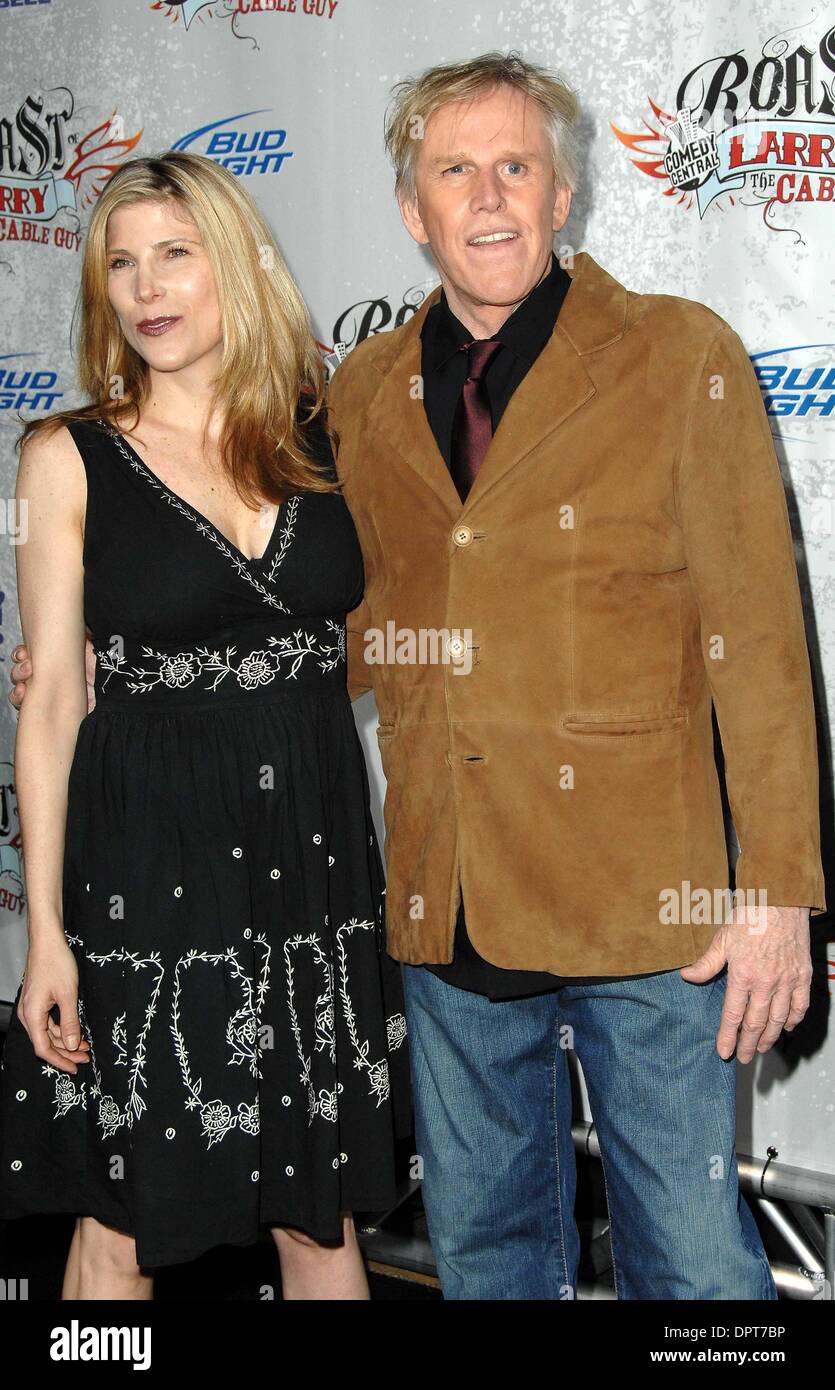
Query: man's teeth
{"type": "Point", "coordinates": [492, 236]}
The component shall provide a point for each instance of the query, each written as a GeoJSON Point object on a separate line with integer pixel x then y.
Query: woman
{"type": "Point", "coordinates": [209, 1034]}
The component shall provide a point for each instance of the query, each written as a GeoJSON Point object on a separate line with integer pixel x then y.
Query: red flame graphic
{"type": "Point", "coordinates": [95, 160]}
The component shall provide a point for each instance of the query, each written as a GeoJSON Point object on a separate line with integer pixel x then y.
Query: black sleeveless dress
{"type": "Point", "coordinates": [223, 891]}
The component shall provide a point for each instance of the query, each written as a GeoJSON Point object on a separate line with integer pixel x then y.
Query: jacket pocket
{"type": "Point", "coordinates": [629, 725]}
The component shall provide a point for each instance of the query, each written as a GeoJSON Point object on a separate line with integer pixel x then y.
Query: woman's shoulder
{"type": "Point", "coordinates": [53, 442]}
{"type": "Point", "coordinates": [60, 439]}
{"type": "Point", "coordinates": [52, 469]}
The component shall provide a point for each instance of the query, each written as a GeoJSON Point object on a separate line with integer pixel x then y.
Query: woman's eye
{"type": "Point", "coordinates": [169, 250]}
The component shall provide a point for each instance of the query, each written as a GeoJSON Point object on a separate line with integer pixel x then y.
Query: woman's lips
{"type": "Point", "coordinates": [155, 329]}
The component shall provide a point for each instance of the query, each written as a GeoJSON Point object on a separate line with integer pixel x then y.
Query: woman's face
{"type": "Point", "coordinates": [161, 285]}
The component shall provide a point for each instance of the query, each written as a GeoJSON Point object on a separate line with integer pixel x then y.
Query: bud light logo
{"type": "Point", "coordinates": [24, 386]}
{"type": "Point", "coordinates": [798, 382]}
{"type": "Point", "coordinates": [256, 147]}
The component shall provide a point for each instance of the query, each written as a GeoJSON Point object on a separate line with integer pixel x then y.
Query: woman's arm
{"type": "Point", "coordinates": [51, 497]}
{"type": "Point", "coordinates": [22, 670]}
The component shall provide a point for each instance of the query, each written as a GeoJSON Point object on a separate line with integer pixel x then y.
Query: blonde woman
{"type": "Point", "coordinates": [209, 1036]}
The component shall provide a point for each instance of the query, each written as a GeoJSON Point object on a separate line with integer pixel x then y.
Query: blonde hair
{"type": "Point", "coordinates": [416, 99]}
{"type": "Point", "coordinates": [269, 351]}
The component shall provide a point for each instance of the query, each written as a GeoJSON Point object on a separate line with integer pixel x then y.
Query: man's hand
{"type": "Point", "coordinates": [769, 974]}
{"type": "Point", "coordinates": [22, 671]}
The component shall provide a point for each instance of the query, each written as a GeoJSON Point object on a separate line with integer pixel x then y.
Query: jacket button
{"type": "Point", "coordinates": [462, 535]}
{"type": "Point", "coordinates": [456, 646]}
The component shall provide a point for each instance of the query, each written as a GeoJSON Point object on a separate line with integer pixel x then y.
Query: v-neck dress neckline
{"type": "Point", "coordinates": [203, 522]}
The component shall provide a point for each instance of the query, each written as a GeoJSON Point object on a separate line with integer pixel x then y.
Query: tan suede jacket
{"type": "Point", "coordinates": [623, 561]}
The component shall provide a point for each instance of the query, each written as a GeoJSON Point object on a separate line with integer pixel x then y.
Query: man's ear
{"type": "Point", "coordinates": [562, 206]}
{"type": "Point", "coordinates": [412, 221]}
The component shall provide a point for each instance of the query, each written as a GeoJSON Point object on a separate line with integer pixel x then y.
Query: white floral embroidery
{"type": "Point", "coordinates": [241, 1034]}
{"type": "Point", "coordinates": [239, 561]}
{"type": "Point", "coordinates": [111, 1115]}
{"type": "Point", "coordinates": [68, 1090]}
{"type": "Point", "coordinates": [181, 669]}
{"type": "Point", "coordinates": [325, 1104]}
{"type": "Point", "coordinates": [378, 1072]}
{"type": "Point", "coordinates": [286, 536]}
{"type": "Point", "coordinates": [395, 1031]}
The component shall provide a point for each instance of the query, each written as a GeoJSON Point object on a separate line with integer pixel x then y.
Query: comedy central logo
{"type": "Point", "coordinates": [692, 154]}
{"type": "Point", "coordinates": [765, 128]}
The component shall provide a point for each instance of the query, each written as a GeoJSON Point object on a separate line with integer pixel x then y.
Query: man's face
{"type": "Point", "coordinates": [485, 166]}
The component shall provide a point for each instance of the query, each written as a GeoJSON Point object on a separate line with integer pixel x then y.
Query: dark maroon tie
{"type": "Point", "coordinates": [473, 425]}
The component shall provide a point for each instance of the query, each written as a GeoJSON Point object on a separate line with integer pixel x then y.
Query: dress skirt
{"type": "Point", "coordinates": [224, 900]}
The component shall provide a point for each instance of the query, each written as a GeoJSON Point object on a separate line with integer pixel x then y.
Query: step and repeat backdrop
{"type": "Point", "coordinates": [709, 172]}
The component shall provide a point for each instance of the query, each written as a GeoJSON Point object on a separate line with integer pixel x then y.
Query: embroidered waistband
{"type": "Point", "coordinates": [283, 656]}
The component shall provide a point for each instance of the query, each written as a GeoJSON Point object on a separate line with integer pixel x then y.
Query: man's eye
{"type": "Point", "coordinates": [454, 169]}
{"type": "Point", "coordinates": [514, 167]}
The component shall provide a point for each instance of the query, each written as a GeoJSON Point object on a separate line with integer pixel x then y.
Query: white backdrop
{"type": "Point", "coordinates": [291, 94]}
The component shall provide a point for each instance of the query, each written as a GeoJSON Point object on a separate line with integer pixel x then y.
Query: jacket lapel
{"type": "Point", "coordinates": [592, 316]}
{"type": "Point", "coordinates": [556, 385]}
{"type": "Point", "coordinates": [396, 409]}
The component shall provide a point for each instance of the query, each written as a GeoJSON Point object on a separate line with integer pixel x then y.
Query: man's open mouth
{"type": "Point", "coordinates": [489, 238]}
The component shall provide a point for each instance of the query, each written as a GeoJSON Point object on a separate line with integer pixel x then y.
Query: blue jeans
{"type": "Point", "coordinates": [493, 1119]}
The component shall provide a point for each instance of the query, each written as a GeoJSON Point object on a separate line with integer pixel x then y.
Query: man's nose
{"type": "Point", "coordinates": [488, 195]}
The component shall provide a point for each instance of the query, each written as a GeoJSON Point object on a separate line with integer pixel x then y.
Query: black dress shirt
{"type": "Point", "coordinates": [444, 369]}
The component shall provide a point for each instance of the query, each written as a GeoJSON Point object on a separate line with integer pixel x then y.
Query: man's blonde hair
{"type": "Point", "coordinates": [416, 99]}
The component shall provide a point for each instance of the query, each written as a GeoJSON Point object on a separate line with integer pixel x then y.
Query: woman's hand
{"type": "Point", "coordinates": [50, 978]}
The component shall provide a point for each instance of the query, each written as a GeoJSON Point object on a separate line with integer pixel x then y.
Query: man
{"type": "Point", "coordinates": [581, 480]}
